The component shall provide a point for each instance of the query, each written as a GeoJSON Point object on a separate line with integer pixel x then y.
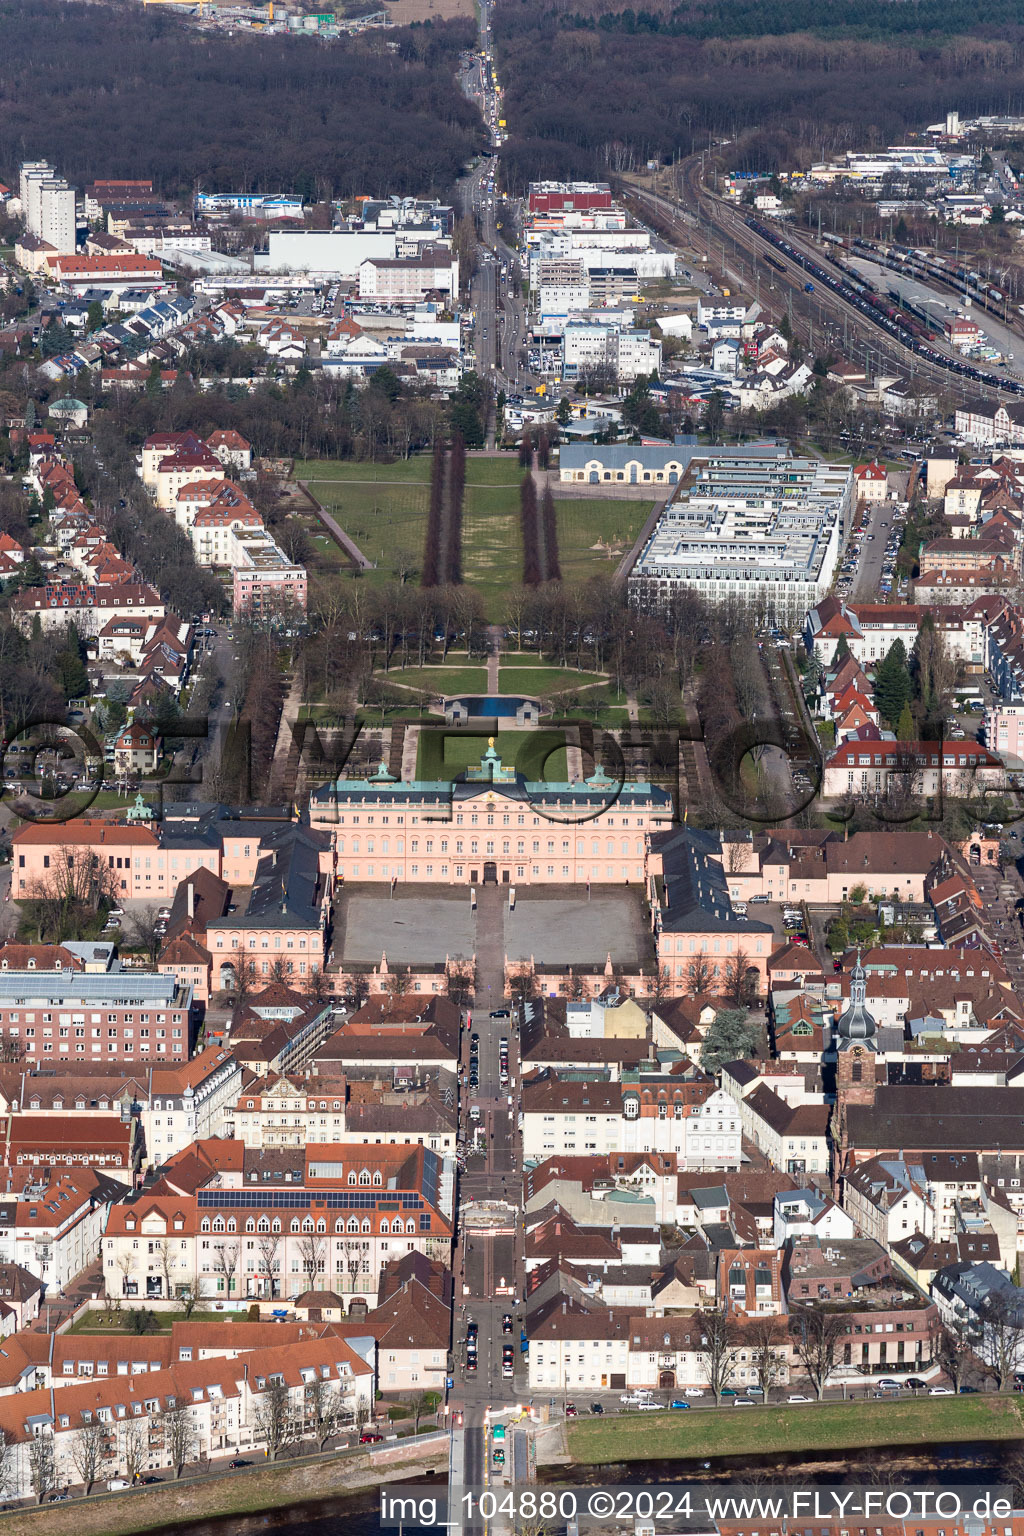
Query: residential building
{"type": "Point", "coordinates": [355, 1209]}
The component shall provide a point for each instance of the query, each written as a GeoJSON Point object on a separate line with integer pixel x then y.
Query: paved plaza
{"type": "Point", "coordinates": [419, 925]}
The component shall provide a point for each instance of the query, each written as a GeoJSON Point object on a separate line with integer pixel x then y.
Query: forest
{"type": "Point", "coordinates": [121, 91]}
{"type": "Point", "coordinates": [589, 93]}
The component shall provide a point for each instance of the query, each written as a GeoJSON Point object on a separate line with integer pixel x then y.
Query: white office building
{"type": "Point", "coordinates": [751, 525]}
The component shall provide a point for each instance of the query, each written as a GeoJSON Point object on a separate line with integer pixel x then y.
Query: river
{"type": "Point", "coordinates": [952, 1466]}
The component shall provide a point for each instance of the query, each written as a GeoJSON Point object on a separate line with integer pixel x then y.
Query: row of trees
{"type": "Point", "coordinates": [539, 528]}
{"type": "Point", "coordinates": [97, 1450]}
{"type": "Point", "coordinates": [442, 550]}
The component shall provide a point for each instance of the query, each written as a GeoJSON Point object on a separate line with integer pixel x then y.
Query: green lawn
{"type": "Point", "coordinates": [810, 1427]}
{"type": "Point", "coordinates": [544, 680]}
{"type": "Point", "coordinates": [94, 1321]}
{"type": "Point", "coordinates": [537, 754]}
{"type": "Point", "coordinates": [437, 680]}
{"type": "Point", "coordinates": [383, 507]}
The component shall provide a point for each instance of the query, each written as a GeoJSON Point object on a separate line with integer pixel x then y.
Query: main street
{"type": "Point", "coordinates": [496, 290]}
{"type": "Point", "coordinates": [488, 1259]}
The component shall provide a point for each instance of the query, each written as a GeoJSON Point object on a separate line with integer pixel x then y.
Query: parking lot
{"type": "Point", "coordinates": [869, 567]}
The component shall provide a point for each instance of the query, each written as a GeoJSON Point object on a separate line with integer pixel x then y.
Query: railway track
{"type": "Point", "coordinates": [788, 261]}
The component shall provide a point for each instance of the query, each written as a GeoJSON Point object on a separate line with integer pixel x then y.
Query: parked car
{"type": "Point", "coordinates": [798, 1397]}
{"type": "Point", "coordinates": [596, 1408]}
{"type": "Point", "coordinates": [369, 1438]}
{"type": "Point", "coordinates": [570, 1411]}
{"type": "Point", "coordinates": [239, 1461]}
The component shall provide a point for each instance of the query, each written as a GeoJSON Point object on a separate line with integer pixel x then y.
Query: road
{"type": "Point", "coordinates": [496, 290]}
{"type": "Point", "coordinates": [488, 1260]}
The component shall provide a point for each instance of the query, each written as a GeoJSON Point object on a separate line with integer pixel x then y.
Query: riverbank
{"type": "Point", "coordinates": [245, 1492]}
{"type": "Point", "coordinates": [807, 1427]}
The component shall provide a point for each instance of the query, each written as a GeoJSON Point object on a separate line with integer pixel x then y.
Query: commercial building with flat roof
{"type": "Point", "coordinates": [753, 526]}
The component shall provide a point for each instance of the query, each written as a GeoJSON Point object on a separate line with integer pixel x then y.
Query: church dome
{"type": "Point", "coordinates": [857, 1026]}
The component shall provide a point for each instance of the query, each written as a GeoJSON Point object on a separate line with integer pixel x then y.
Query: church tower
{"type": "Point", "coordinates": [856, 1067]}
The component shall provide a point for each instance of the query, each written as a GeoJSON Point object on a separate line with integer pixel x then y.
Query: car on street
{"type": "Point", "coordinates": [798, 1397]}
{"type": "Point", "coordinates": [679, 1402]}
{"type": "Point", "coordinates": [239, 1461]}
{"type": "Point", "coordinates": [941, 1392]}
{"type": "Point", "coordinates": [888, 1383]}
{"type": "Point", "coordinates": [506, 1323]}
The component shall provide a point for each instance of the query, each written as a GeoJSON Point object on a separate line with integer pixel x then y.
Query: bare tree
{"type": "Point", "coordinates": [953, 1348]}
{"type": "Point", "coordinates": [63, 901]}
{"type": "Point", "coordinates": [143, 930]}
{"type": "Point", "coordinates": [1002, 1339]}
{"type": "Point", "coordinates": [126, 1264]}
{"type": "Point", "coordinates": [311, 1253]}
{"type": "Point", "coordinates": [719, 1347]}
{"type": "Point", "coordinates": [42, 1466]}
{"type": "Point", "coordinates": [8, 1464]}
{"type": "Point", "coordinates": [168, 1265]}
{"type": "Point", "coordinates": [179, 1435]}
{"type": "Point", "coordinates": [267, 1245]}
{"type": "Point", "coordinates": [273, 1421]}
{"type": "Point", "coordinates": [224, 1262]}
{"type": "Point", "coordinates": [322, 1410]}
{"type": "Point", "coordinates": [699, 976]}
{"type": "Point", "coordinates": [245, 975]}
{"type": "Point", "coordinates": [817, 1336]}
{"type": "Point", "coordinates": [460, 981]}
{"type": "Point", "coordinates": [89, 1452]}
{"type": "Point", "coordinates": [768, 1352]}
{"type": "Point", "coordinates": [132, 1447]}
{"type": "Point", "coordinates": [740, 981]}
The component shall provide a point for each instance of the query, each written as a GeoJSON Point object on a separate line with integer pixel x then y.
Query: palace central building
{"type": "Point", "coordinates": [491, 823]}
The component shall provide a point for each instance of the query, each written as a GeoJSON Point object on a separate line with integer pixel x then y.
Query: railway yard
{"type": "Point", "coordinates": [831, 303]}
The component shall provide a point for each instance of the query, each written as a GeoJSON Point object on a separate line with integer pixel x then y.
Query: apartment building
{"type": "Point", "coordinates": [408, 279]}
{"type": "Point", "coordinates": [51, 1223]}
{"type": "Point", "coordinates": [356, 1209]}
{"type": "Point", "coordinates": [48, 206]}
{"type": "Point", "coordinates": [263, 579]}
{"type": "Point", "coordinates": [873, 768]}
{"type": "Point", "coordinates": [70, 1015]}
{"type": "Point", "coordinates": [203, 1407]}
{"type": "Point", "coordinates": [89, 608]}
{"type": "Point", "coordinates": [693, 1122]}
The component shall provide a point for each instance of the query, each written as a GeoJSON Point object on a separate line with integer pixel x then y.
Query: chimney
{"type": "Point", "coordinates": [191, 896]}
